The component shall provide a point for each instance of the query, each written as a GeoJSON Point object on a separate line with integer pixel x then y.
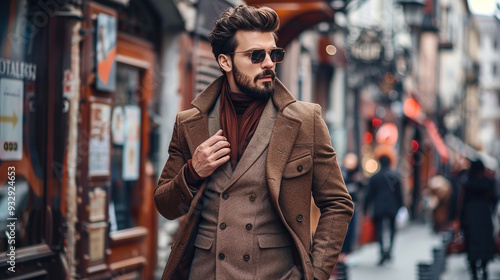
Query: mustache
{"type": "Point", "coordinates": [267, 72]}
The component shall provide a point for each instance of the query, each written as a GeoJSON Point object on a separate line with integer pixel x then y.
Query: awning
{"type": "Point", "coordinates": [296, 16]}
{"type": "Point", "coordinates": [436, 139]}
{"type": "Point", "coordinates": [169, 15]}
{"type": "Point", "coordinates": [413, 112]}
{"type": "Point", "coordinates": [470, 153]}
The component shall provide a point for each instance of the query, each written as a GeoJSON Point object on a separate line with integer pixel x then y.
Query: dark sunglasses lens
{"type": "Point", "coordinates": [258, 56]}
{"type": "Point", "coordinates": [277, 55]}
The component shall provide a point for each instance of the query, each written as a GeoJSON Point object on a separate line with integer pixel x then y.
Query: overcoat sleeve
{"type": "Point", "coordinates": [172, 195]}
{"type": "Point", "coordinates": [332, 198]}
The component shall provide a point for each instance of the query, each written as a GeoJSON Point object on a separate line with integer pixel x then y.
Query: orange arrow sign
{"type": "Point", "coordinates": [9, 119]}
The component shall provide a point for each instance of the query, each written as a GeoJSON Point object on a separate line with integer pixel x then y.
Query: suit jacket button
{"type": "Point", "coordinates": [222, 256]}
{"type": "Point", "coordinates": [299, 168]}
{"type": "Point", "coordinates": [252, 197]}
{"type": "Point", "coordinates": [225, 196]}
{"type": "Point", "coordinates": [299, 218]}
{"type": "Point", "coordinates": [249, 226]}
{"type": "Point", "coordinates": [183, 196]}
{"type": "Point", "coordinates": [246, 258]}
{"type": "Point", "coordinates": [222, 226]}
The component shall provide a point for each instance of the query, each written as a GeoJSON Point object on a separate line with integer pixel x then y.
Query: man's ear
{"type": "Point", "coordinates": [225, 62]}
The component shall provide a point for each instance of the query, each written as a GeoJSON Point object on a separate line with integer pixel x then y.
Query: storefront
{"type": "Point", "coordinates": [31, 116]}
{"type": "Point", "coordinates": [77, 83]}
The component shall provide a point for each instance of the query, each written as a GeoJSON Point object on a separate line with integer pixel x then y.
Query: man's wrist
{"type": "Point", "coordinates": [193, 179]}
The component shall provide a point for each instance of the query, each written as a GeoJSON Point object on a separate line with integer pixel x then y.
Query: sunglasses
{"type": "Point", "coordinates": [257, 56]}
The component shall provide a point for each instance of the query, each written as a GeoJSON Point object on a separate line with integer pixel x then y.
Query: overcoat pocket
{"type": "Point", "coordinates": [298, 167]}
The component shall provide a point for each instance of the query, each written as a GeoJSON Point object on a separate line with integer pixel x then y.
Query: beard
{"type": "Point", "coordinates": [244, 83]}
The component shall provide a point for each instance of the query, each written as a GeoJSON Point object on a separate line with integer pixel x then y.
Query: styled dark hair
{"type": "Point", "coordinates": [242, 17]}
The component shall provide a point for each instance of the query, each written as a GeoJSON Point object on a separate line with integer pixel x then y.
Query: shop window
{"type": "Point", "coordinates": [126, 139]}
{"type": "Point", "coordinates": [22, 130]}
{"type": "Point", "coordinates": [22, 216]}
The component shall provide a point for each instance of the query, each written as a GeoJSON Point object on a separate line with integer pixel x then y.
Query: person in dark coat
{"type": "Point", "coordinates": [385, 195]}
{"type": "Point", "coordinates": [458, 179]}
{"type": "Point", "coordinates": [478, 202]}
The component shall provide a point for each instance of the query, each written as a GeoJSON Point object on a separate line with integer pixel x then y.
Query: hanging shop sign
{"type": "Point", "coordinates": [368, 47]}
{"type": "Point", "coordinates": [11, 119]}
{"type": "Point", "coordinates": [17, 69]}
{"type": "Point", "coordinates": [106, 52]}
{"type": "Point", "coordinates": [99, 142]}
{"type": "Point", "coordinates": [132, 144]}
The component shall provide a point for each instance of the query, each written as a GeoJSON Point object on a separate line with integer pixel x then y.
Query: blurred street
{"type": "Point", "coordinates": [413, 244]}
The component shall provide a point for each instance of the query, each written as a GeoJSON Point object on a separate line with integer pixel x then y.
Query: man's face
{"type": "Point", "coordinates": [256, 80]}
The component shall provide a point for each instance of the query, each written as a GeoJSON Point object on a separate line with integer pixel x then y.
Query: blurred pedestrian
{"type": "Point", "coordinates": [478, 201]}
{"type": "Point", "coordinates": [440, 190]}
{"type": "Point", "coordinates": [458, 179]}
{"type": "Point", "coordinates": [352, 179]}
{"type": "Point", "coordinates": [243, 164]}
{"type": "Point", "coordinates": [385, 195]}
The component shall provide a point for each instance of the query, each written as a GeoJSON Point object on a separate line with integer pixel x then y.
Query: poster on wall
{"type": "Point", "coordinates": [118, 126]}
{"type": "Point", "coordinates": [97, 202]}
{"type": "Point", "coordinates": [11, 119]}
{"type": "Point", "coordinates": [97, 241]}
{"type": "Point", "coordinates": [99, 142]}
{"type": "Point", "coordinates": [106, 52]}
{"type": "Point", "coordinates": [132, 144]}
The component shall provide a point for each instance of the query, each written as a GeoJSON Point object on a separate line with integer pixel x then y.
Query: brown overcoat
{"type": "Point", "coordinates": [300, 162]}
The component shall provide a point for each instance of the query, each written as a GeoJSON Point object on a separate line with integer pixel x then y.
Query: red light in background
{"type": "Point", "coordinates": [368, 138]}
{"type": "Point", "coordinates": [376, 122]}
{"type": "Point", "coordinates": [414, 146]}
{"type": "Point", "coordinates": [387, 133]}
{"type": "Point", "coordinates": [411, 108]}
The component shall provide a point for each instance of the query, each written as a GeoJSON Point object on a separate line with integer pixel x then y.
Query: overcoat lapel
{"type": "Point", "coordinates": [280, 146]}
{"type": "Point", "coordinates": [197, 131]}
{"type": "Point", "coordinates": [282, 138]}
{"type": "Point", "coordinates": [197, 126]}
{"type": "Point", "coordinates": [257, 144]}
{"type": "Point", "coordinates": [285, 131]}
{"type": "Point", "coordinates": [214, 124]}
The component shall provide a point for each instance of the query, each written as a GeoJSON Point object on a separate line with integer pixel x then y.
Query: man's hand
{"type": "Point", "coordinates": [211, 154]}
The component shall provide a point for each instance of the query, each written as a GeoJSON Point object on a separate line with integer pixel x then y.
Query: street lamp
{"type": "Point", "coordinates": [414, 12]}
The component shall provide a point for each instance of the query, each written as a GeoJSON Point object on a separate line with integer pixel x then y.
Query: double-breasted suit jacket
{"type": "Point", "coordinates": [299, 161]}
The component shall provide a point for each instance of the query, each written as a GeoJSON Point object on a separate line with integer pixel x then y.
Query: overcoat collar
{"type": "Point", "coordinates": [285, 130]}
{"type": "Point", "coordinates": [255, 148]}
{"type": "Point", "coordinates": [207, 98]}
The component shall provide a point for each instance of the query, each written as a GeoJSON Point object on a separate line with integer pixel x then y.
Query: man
{"type": "Point", "coordinates": [385, 193]}
{"type": "Point", "coordinates": [245, 192]}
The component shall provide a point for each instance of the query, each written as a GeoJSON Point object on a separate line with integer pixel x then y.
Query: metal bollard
{"type": "Point", "coordinates": [341, 271]}
{"type": "Point", "coordinates": [439, 256]}
{"type": "Point", "coordinates": [447, 237]}
{"type": "Point", "coordinates": [425, 271]}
